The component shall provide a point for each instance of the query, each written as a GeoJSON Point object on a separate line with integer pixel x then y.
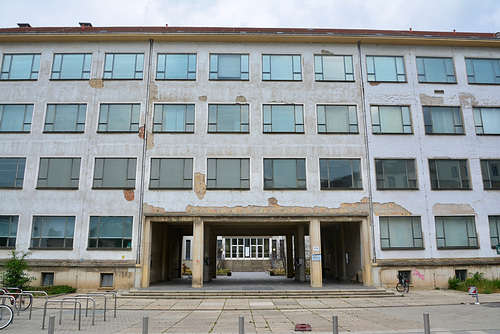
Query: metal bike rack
{"type": "Point", "coordinates": [22, 294]}
{"type": "Point", "coordinates": [105, 294]}
{"type": "Point", "coordinates": [13, 300]}
{"type": "Point", "coordinates": [86, 307]}
{"type": "Point", "coordinates": [40, 292]}
{"type": "Point", "coordinates": [61, 302]}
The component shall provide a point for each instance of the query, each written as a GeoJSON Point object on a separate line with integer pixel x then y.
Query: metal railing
{"type": "Point", "coordinates": [62, 302]}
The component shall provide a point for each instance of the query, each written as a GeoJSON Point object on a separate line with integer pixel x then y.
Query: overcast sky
{"type": "Point", "coordinates": [437, 15]}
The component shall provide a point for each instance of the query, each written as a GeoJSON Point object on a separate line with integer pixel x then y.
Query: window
{"type": "Point", "coordinates": [405, 274]}
{"type": "Point", "coordinates": [487, 121]}
{"type": "Point", "coordinates": [281, 68]}
{"type": "Point", "coordinates": [283, 118]}
{"type": "Point", "coordinates": [65, 118]}
{"type": "Point", "coordinates": [12, 172]}
{"type": "Point", "coordinates": [15, 117]}
{"type": "Point", "coordinates": [170, 173]}
{"type": "Point", "coordinates": [337, 119]}
{"type": "Point", "coordinates": [491, 174]}
{"type": "Point", "coordinates": [20, 67]}
{"type": "Point", "coordinates": [448, 174]}
{"type": "Point", "coordinates": [461, 274]}
{"type": "Point", "coordinates": [187, 255]}
{"type": "Point", "coordinates": [110, 232]}
{"type": "Point", "coordinates": [456, 232]}
{"type": "Point", "coordinates": [173, 118]}
{"type": "Point", "coordinates": [391, 119]}
{"type": "Point", "coordinates": [59, 173]}
{"type": "Point", "coordinates": [401, 233]}
{"type": "Point", "coordinates": [71, 66]}
{"type": "Point", "coordinates": [106, 281]}
{"type": "Point", "coordinates": [123, 66]}
{"type": "Point", "coordinates": [111, 173]}
{"type": "Point", "coordinates": [443, 120]}
{"type": "Point", "coordinates": [494, 230]}
{"type": "Point", "coordinates": [47, 279]}
{"type": "Point", "coordinates": [386, 68]}
{"type": "Point", "coordinates": [340, 174]}
{"type": "Point", "coordinates": [174, 66]}
{"type": "Point", "coordinates": [435, 70]}
{"type": "Point", "coordinates": [483, 71]}
{"type": "Point", "coordinates": [228, 118]}
{"type": "Point", "coordinates": [333, 68]}
{"type": "Point", "coordinates": [8, 231]}
{"type": "Point", "coordinates": [228, 174]}
{"type": "Point", "coordinates": [284, 174]}
{"type": "Point", "coordinates": [396, 174]}
{"type": "Point", "coordinates": [229, 67]}
{"type": "Point", "coordinates": [249, 248]}
{"type": "Point", "coordinates": [52, 232]}
{"type": "Point", "coordinates": [119, 118]}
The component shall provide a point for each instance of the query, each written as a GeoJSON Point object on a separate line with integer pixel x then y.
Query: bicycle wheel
{"type": "Point", "coordinates": [400, 287]}
{"type": "Point", "coordinates": [22, 302]}
{"type": "Point", "coordinates": [407, 287]}
{"type": "Point", "coordinates": [6, 315]}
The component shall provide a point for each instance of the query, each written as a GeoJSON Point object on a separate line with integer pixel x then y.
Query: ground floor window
{"type": "Point", "coordinates": [106, 280]}
{"type": "Point", "coordinates": [52, 232]}
{"type": "Point", "coordinates": [456, 232]}
{"type": "Point", "coordinates": [110, 232]}
{"type": "Point", "coordinates": [8, 231]}
{"type": "Point", "coordinates": [401, 233]}
{"type": "Point", "coordinates": [249, 248]}
{"type": "Point", "coordinates": [494, 230]}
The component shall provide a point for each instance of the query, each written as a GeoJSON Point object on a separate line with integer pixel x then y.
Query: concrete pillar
{"type": "Point", "coordinates": [296, 255]}
{"type": "Point", "coordinates": [213, 253]}
{"type": "Point", "coordinates": [342, 248]}
{"type": "Point", "coordinates": [366, 248]}
{"type": "Point", "coordinates": [146, 253]}
{"type": "Point", "coordinates": [315, 251]}
{"type": "Point", "coordinates": [164, 260]}
{"type": "Point", "coordinates": [198, 251]}
{"type": "Point", "coordinates": [207, 254]}
{"type": "Point", "coordinates": [289, 256]}
{"type": "Point", "coordinates": [302, 253]}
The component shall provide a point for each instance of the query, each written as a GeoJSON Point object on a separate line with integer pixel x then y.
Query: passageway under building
{"type": "Point", "coordinates": [316, 248]}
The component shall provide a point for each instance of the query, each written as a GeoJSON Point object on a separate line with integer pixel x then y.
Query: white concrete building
{"type": "Point", "coordinates": [381, 146]}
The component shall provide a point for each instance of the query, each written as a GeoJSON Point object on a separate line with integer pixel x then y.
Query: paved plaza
{"type": "Point", "coordinates": [450, 312]}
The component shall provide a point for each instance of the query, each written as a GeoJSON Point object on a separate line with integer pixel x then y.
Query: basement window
{"type": "Point", "coordinates": [47, 279]}
{"type": "Point", "coordinates": [461, 274]}
{"type": "Point", "coordinates": [106, 281]}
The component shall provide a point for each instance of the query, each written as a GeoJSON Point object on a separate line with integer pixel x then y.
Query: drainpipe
{"type": "Point", "coordinates": [367, 152]}
{"type": "Point", "coordinates": [144, 150]}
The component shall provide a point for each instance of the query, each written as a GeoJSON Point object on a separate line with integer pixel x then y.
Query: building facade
{"type": "Point", "coordinates": [381, 147]}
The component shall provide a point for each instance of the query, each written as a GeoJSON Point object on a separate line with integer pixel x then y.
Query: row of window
{"type": "Point", "coordinates": [275, 67]}
{"type": "Point", "coordinates": [224, 173]}
{"type": "Point", "coordinates": [108, 232]}
{"type": "Point", "coordinates": [234, 118]}
{"type": "Point", "coordinates": [57, 232]}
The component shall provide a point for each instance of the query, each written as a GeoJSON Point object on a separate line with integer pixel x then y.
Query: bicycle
{"type": "Point", "coordinates": [6, 316]}
{"type": "Point", "coordinates": [20, 302]}
{"type": "Point", "coordinates": [403, 284]}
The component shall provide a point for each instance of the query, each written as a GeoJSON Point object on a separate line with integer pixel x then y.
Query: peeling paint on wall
{"type": "Point", "coordinates": [374, 83]}
{"type": "Point", "coordinates": [96, 83]}
{"type": "Point", "coordinates": [241, 98]}
{"type": "Point", "coordinates": [146, 208]}
{"type": "Point", "coordinates": [141, 132]}
{"type": "Point", "coordinates": [129, 194]}
{"type": "Point", "coordinates": [151, 141]}
{"type": "Point", "coordinates": [452, 209]}
{"type": "Point", "coordinates": [153, 92]}
{"type": "Point", "coordinates": [427, 100]}
{"type": "Point", "coordinates": [325, 52]}
{"type": "Point", "coordinates": [467, 100]}
{"type": "Point", "coordinates": [200, 187]}
{"type": "Point", "coordinates": [202, 98]}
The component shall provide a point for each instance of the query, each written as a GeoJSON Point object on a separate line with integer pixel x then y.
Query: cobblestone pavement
{"type": "Point", "coordinates": [449, 311]}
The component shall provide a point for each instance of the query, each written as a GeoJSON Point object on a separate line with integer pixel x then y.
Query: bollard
{"type": "Point", "coordinates": [427, 325]}
{"type": "Point", "coordinates": [52, 321]}
{"type": "Point", "coordinates": [242, 325]}
{"type": "Point", "coordinates": [145, 321]}
{"type": "Point", "coordinates": [335, 324]}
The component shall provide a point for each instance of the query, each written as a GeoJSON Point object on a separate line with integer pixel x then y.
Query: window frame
{"type": "Point", "coordinates": [189, 118]}
{"type": "Point", "coordinates": [441, 232]}
{"type": "Point", "coordinates": [163, 69]}
{"type": "Point", "coordinates": [298, 120]}
{"type": "Point", "coordinates": [381, 178]}
{"type": "Point", "coordinates": [299, 170]}
{"type": "Point", "coordinates": [187, 176]}
{"type": "Point", "coordinates": [494, 228]}
{"type": "Point", "coordinates": [19, 172]}
{"type": "Point", "coordinates": [51, 117]}
{"type": "Point", "coordinates": [44, 167]}
{"type": "Point", "coordinates": [463, 165]}
{"type": "Point", "coordinates": [5, 75]}
{"type": "Point", "coordinates": [458, 123]}
{"type": "Point", "coordinates": [406, 120]}
{"type": "Point", "coordinates": [109, 69]}
{"type": "Point", "coordinates": [371, 69]}
{"type": "Point", "coordinates": [296, 61]}
{"type": "Point", "coordinates": [356, 182]}
{"type": "Point", "coordinates": [416, 225]}
{"type": "Point", "coordinates": [215, 67]}
{"type": "Point", "coordinates": [213, 173]}
{"type": "Point", "coordinates": [130, 176]}
{"type": "Point", "coordinates": [319, 68]}
{"type": "Point", "coordinates": [487, 171]}
{"type": "Point", "coordinates": [27, 118]}
{"type": "Point", "coordinates": [86, 66]}
{"type": "Point", "coordinates": [70, 223]}
{"type": "Point", "coordinates": [422, 72]}
{"type": "Point", "coordinates": [479, 123]}
{"type": "Point", "coordinates": [134, 118]}
{"type": "Point", "coordinates": [471, 75]}
{"type": "Point", "coordinates": [13, 224]}
{"type": "Point", "coordinates": [126, 241]}
{"type": "Point", "coordinates": [322, 119]}
{"type": "Point", "coordinates": [214, 120]}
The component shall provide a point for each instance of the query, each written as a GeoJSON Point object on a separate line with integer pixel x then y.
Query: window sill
{"type": "Point", "coordinates": [282, 80]}
{"type": "Point", "coordinates": [48, 188]}
{"type": "Point", "coordinates": [402, 248]}
{"type": "Point", "coordinates": [175, 79]}
{"type": "Point", "coordinates": [488, 134]}
{"type": "Point", "coordinates": [397, 189]}
{"type": "Point", "coordinates": [228, 79]}
{"type": "Point", "coordinates": [491, 189]}
{"type": "Point", "coordinates": [338, 133]}
{"type": "Point", "coordinates": [285, 189]}
{"type": "Point", "coordinates": [392, 133]}
{"type": "Point", "coordinates": [108, 249]}
{"type": "Point", "coordinates": [72, 79]}
{"type": "Point", "coordinates": [15, 131]}
{"type": "Point", "coordinates": [438, 83]}
{"type": "Point", "coordinates": [117, 132]}
{"type": "Point", "coordinates": [113, 188]}
{"type": "Point", "coordinates": [122, 79]}
{"type": "Point", "coordinates": [450, 189]}
{"type": "Point", "coordinates": [459, 247]}
{"type": "Point", "coordinates": [229, 189]}
{"type": "Point", "coordinates": [377, 82]}
{"type": "Point", "coordinates": [61, 132]}
{"type": "Point", "coordinates": [333, 189]}
{"type": "Point", "coordinates": [174, 132]}
{"type": "Point", "coordinates": [11, 188]}
{"type": "Point", "coordinates": [335, 81]}
{"type": "Point", "coordinates": [484, 83]}
{"type": "Point", "coordinates": [445, 134]}
{"type": "Point", "coordinates": [229, 132]}
{"type": "Point", "coordinates": [51, 248]}
{"type": "Point", "coordinates": [283, 133]}
{"type": "Point", "coordinates": [18, 80]}
{"type": "Point", "coordinates": [181, 189]}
